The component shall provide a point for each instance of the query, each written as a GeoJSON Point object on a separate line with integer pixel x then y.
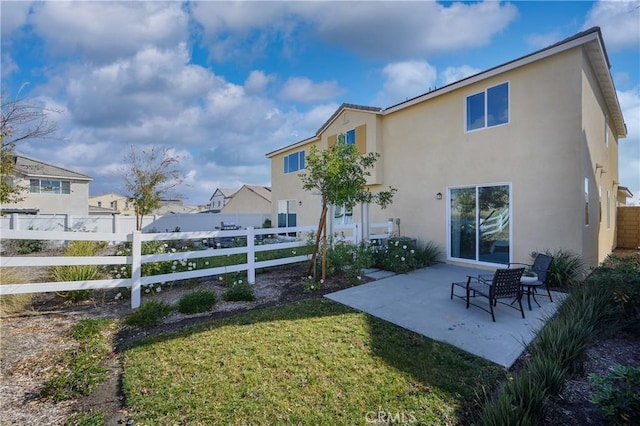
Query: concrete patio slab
{"type": "Point", "coordinates": [419, 301]}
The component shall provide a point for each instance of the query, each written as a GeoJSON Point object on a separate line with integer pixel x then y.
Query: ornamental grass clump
{"type": "Point", "coordinates": [196, 302]}
{"type": "Point", "coordinates": [149, 314]}
{"type": "Point", "coordinates": [77, 272]}
{"type": "Point", "coordinates": [13, 303]}
{"type": "Point", "coordinates": [567, 269]}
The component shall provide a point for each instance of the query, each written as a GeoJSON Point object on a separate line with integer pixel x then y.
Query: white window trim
{"type": "Point", "coordinates": [486, 89]}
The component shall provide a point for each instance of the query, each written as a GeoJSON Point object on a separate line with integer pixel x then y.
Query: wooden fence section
{"type": "Point", "coordinates": [628, 227]}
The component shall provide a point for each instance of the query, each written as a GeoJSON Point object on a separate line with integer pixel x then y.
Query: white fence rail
{"type": "Point", "coordinates": [351, 232]}
{"type": "Point", "coordinates": [136, 260]}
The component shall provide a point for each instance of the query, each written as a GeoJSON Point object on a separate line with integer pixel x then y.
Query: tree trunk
{"type": "Point", "coordinates": [324, 248]}
{"type": "Point", "coordinates": [323, 219]}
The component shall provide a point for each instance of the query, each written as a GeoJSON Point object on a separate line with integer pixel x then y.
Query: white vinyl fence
{"type": "Point", "coordinates": [127, 224]}
{"type": "Point", "coordinates": [351, 232]}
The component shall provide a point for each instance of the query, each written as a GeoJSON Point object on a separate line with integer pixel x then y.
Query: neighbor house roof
{"type": "Point", "coordinates": [35, 168]}
{"type": "Point", "coordinates": [226, 192]}
{"type": "Point", "coordinates": [262, 191]}
{"type": "Point", "coordinates": [592, 41]}
{"type": "Point", "coordinates": [101, 210]}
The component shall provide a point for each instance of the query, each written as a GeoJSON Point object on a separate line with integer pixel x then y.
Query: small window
{"type": "Point", "coordinates": [350, 137]}
{"type": "Point", "coordinates": [99, 203]}
{"type": "Point", "coordinates": [606, 131]}
{"type": "Point", "coordinates": [608, 209]}
{"type": "Point", "coordinates": [489, 108]}
{"type": "Point", "coordinates": [294, 162]}
{"type": "Point", "coordinates": [586, 201]}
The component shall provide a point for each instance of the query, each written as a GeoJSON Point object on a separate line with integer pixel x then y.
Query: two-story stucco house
{"type": "Point", "coordinates": [250, 199]}
{"type": "Point", "coordinates": [518, 158]}
{"type": "Point", "coordinates": [220, 198]}
{"type": "Point", "coordinates": [49, 189]}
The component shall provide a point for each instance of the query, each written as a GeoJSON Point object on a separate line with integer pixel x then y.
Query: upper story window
{"type": "Point", "coordinates": [488, 108]}
{"type": "Point", "coordinates": [606, 131]}
{"type": "Point", "coordinates": [294, 162]}
{"type": "Point", "coordinates": [350, 137]}
{"type": "Point", "coordinates": [49, 186]}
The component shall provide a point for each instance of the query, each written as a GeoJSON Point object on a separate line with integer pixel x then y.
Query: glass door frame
{"type": "Point", "coordinates": [476, 260]}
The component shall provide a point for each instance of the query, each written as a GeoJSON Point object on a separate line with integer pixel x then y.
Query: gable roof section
{"type": "Point", "coordinates": [262, 191]}
{"type": "Point", "coordinates": [593, 43]}
{"type": "Point", "coordinates": [590, 39]}
{"type": "Point", "coordinates": [334, 116]}
{"type": "Point", "coordinates": [225, 192]}
{"type": "Point", "coordinates": [35, 168]}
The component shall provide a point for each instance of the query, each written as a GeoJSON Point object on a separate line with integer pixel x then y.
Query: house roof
{"type": "Point", "coordinates": [226, 192]}
{"type": "Point", "coordinates": [590, 39]}
{"type": "Point", "coordinates": [624, 190]}
{"type": "Point", "coordinates": [35, 168]}
{"type": "Point", "coordinates": [262, 191]}
{"type": "Point", "coordinates": [108, 193]}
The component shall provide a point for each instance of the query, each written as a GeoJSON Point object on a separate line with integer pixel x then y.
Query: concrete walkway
{"type": "Point", "coordinates": [419, 301]}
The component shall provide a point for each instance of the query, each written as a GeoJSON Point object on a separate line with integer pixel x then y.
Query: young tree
{"type": "Point", "coordinates": [21, 121]}
{"type": "Point", "coordinates": [147, 177]}
{"type": "Point", "coordinates": [339, 174]}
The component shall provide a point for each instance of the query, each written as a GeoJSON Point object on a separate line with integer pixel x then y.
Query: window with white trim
{"type": "Point", "coordinates": [49, 186]}
{"type": "Point", "coordinates": [606, 131]}
{"type": "Point", "coordinates": [488, 108]}
{"type": "Point", "coordinates": [586, 201]}
{"type": "Point", "coordinates": [608, 209]}
{"type": "Point", "coordinates": [294, 162]}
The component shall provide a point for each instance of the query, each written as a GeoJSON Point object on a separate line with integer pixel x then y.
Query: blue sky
{"type": "Point", "coordinates": [223, 83]}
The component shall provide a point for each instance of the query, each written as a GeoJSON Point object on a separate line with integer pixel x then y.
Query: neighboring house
{"type": "Point", "coordinates": [113, 201]}
{"type": "Point", "coordinates": [174, 206]}
{"type": "Point", "coordinates": [101, 211]}
{"type": "Point", "coordinates": [250, 199]}
{"type": "Point", "coordinates": [49, 189]}
{"type": "Point", "coordinates": [518, 158]}
{"type": "Point", "coordinates": [220, 198]}
{"type": "Point", "coordinates": [623, 194]}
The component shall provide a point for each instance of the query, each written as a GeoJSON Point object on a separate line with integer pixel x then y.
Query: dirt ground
{"type": "Point", "coordinates": [31, 342]}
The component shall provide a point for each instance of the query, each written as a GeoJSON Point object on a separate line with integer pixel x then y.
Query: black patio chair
{"type": "Point", "coordinates": [505, 284]}
{"type": "Point", "coordinates": [542, 267]}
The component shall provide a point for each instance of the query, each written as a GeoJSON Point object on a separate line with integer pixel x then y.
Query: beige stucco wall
{"type": "Point", "coordinates": [554, 137]}
{"type": "Point", "coordinates": [120, 203]}
{"type": "Point", "coordinates": [76, 203]}
{"type": "Point", "coordinates": [247, 201]}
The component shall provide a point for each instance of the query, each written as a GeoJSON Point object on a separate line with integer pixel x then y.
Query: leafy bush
{"type": "Point", "coordinates": [239, 291]}
{"type": "Point", "coordinates": [196, 302]}
{"type": "Point", "coordinates": [149, 314]}
{"type": "Point", "coordinates": [401, 255]}
{"type": "Point", "coordinates": [77, 272]}
{"type": "Point", "coordinates": [620, 278]}
{"type": "Point", "coordinates": [617, 394]}
{"type": "Point", "coordinates": [567, 268]}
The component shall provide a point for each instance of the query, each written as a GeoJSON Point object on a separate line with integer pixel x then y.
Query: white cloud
{"type": "Point", "coordinates": [385, 30]}
{"type": "Point", "coordinates": [14, 15]}
{"type": "Point", "coordinates": [619, 22]}
{"type": "Point", "coordinates": [257, 81]}
{"type": "Point", "coordinates": [302, 89]}
{"type": "Point", "coordinates": [453, 74]}
{"type": "Point", "coordinates": [406, 80]}
{"type": "Point", "coordinates": [105, 31]}
{"type": "Point", "coordinates": [540, 41]}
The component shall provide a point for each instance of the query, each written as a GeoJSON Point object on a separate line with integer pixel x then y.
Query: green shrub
{"type": "Point", "coordinates": [196, 302]}
{"type": "Point", "coordinates": [148, 314]}
{"type": "Point", "coordinates": [239, 291]}
{"type": "Point", "coordinates": [398, 255]}
{"type": "Point", "coordinates": [567, 268]}
{"type": "Point", "coordinates": [428, 254]}
{"type": "Point", "coordinates": [77, 272]}
{"type": "Point", "coordinates": [617, 394]}
{"type": "Point", "coordinates": [620, 278]}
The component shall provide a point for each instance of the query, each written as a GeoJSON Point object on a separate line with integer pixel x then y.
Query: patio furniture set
{"type": "Point", "coordinates": [508, 284]}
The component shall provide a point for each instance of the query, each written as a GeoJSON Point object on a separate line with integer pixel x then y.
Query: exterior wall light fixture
{"type": "Point", "coordinates": [439, 196]}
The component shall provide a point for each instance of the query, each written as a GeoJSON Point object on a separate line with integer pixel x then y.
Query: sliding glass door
{"type": "Point", "coordinates": [479, 223]}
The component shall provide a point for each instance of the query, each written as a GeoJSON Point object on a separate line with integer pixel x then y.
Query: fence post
{"type": "Point", "coordinates": [114, 224]}
{"type": "Point", "coordinates": [136, 263]}
{"type": "Point", "coordinates": [251, 255]}
{"type": "Point", "coordinates": [68, 226]}
{"type": "Point", "coordinates": [15, 221]}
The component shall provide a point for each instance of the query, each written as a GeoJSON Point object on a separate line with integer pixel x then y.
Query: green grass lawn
{"type": "Point", "coordinates": [314, 362]}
